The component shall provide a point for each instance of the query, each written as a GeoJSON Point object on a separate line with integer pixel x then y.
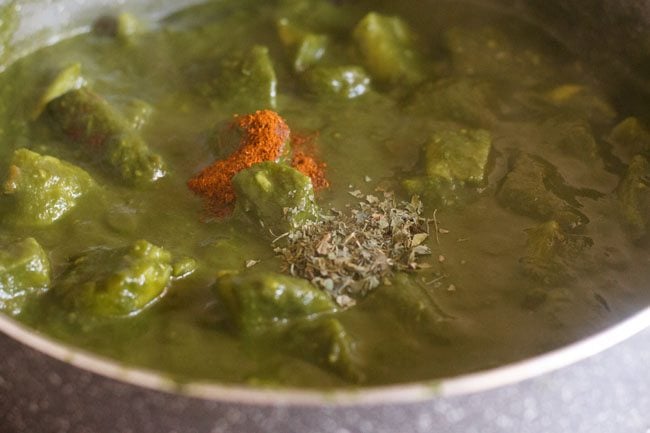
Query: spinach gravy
{"type": "Point", "coordinates": [318, 193]}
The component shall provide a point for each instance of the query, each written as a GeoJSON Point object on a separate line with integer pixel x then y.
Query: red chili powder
{"type": "Point", "coordinates": [265, 135]}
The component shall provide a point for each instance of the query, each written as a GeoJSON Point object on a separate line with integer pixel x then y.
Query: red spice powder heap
{"type": "Point", "coordinates": [265, 135]}
{"type": "Point", "coordinates": [304, 162]}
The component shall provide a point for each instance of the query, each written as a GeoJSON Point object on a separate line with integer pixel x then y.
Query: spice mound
{"type": "Point", "coordinates": [265, 136]}
{"type": "Point", "coordinates": [304, 161]}
{"type": "Point", "coordinates": [349, 254]}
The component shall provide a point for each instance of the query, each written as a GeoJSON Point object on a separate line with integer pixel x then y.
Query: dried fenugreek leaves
{"type": "Point", "coordinates": [349, 254]}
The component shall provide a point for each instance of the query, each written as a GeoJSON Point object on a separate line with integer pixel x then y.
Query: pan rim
{"type": "Point", "coordinates": [470, 383]}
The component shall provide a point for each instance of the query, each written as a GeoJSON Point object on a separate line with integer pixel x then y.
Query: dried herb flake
{"type": "Point", "coordinates": [349, 254]}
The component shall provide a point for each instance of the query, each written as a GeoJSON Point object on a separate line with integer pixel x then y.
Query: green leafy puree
{"type": "Point", "coordinates": [486, 202]}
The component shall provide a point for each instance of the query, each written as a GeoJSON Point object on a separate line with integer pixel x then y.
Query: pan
{"type": "Point", "coordinates": [597, 384]}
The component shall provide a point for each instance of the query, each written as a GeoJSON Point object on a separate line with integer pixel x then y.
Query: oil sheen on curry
{"type": "Point", "coordinates": [317, 193]}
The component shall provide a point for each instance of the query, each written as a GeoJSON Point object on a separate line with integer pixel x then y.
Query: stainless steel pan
{"type": "Point", "coordinates": [599, 384]}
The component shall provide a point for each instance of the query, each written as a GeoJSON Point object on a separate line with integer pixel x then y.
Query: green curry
{"type": "Point", "coordinates": [516, 196]}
